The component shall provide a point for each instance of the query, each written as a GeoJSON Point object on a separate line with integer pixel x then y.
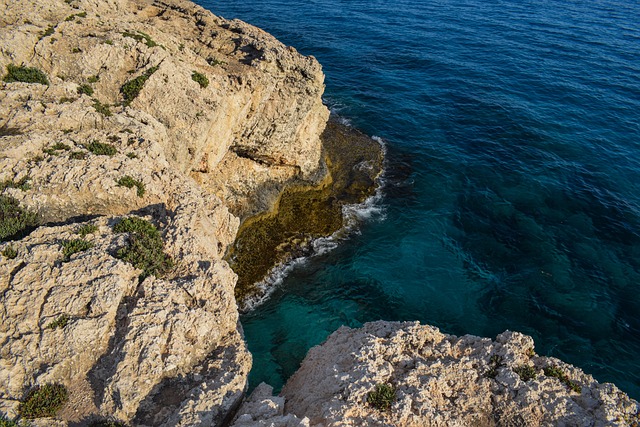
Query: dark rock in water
{"type": "Point", "coordinates": [305, 212]}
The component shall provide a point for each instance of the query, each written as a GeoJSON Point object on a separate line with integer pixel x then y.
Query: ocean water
{"type": "Point", "coordinates": [512, 193]}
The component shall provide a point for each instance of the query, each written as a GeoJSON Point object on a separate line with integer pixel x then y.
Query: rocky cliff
{"type": "Point", "coordinates": [407, 374]}
{"type": "Point", "coordinates": [164, 112]}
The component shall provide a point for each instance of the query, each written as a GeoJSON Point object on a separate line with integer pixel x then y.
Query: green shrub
{"type": "Point", "coordinates": [494, 364]}
{"type": "Point", "coordinates": [93, 79]}
{"type": "Point", "coordinates": [109, 42]}
{"type": "Point", "coordinates": [9, 131]}
{"type": "Point", "coordinates": [10, 252]}
{"type": "Point", "coordinates": [132, 155]}
{"type": "Point", "coordinates": [14, 220]}
{"type": "Point", "coordinates": [25, 75]}
{"type": "Point", "coordinates": [85, 89]}
{"type": "Point", "coordinates": [23, 184]}
{"type": "Point", "coordinates": [129, 182]}
{"type": "Point", "coordinates": [213, 62]}
{"type": "Point", "coordinates": [382, 397]}
{"type": "Point", "coordinates": [106, 423]}
{"type": "Point", "coordinates": [61, 146]}
{"type": "Point", "coordinates": [101, 148]}
{"type": "Point", "coordinates": [70, 247]}
{"type": "Point", "coordinates": [139, 37]}
{"type": "Point", "coordinates": [65, 100]}
{"type": "Point", "coordinates": [44, 401]}
{"type": "Point", "coordinates": [201, 79]}
{"type": "Point", "coordinates": [70, 18]}
{"type": "Point", "coordinates": [145, 247]}
{"type": "Point", "coordinates": [554, 371]}
{"type": "Point", "coordinates": [81, 15]}
{"type": "Point", "coordinates": [131, 89]}
{"type": "Point", "coordinates": [525, 372]}
{"type": "Point", "coordinates": [87, 229]}
{"type": "Point", "coordinates": [102, 108]}
{"type": "Point", "coordinates": [49, 31]}
{"type": "Point", "coordinates": [6, 422]}
{"type": "Point", "coordinates": [59, 323]}
{"type": "Point", "coordinates": [78, 155]}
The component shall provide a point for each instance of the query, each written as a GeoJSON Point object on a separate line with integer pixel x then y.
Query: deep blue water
{"type": "Point", "coordinates": [513, 187]}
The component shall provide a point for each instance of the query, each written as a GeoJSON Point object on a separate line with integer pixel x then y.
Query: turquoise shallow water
{"type": "Point", "coordinates": [512, 195]}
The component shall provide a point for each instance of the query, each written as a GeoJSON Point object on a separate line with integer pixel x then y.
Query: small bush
{"type": "Point", "coordinates": [102, 108]}
{"type": "Point", "coordinates": [66, 100]}
{"type": "Point", "coordinates": [49, 31]}
{"type": "Point", "coordinates": [10, 252]}
{"type": "Point", "coordinates": [85, 89]}
{"type": "Point", "coordinates": [44, 401]}
{"type": "Point", "coordinates": [78, 155]}
{"type": "Point", "coordinates": [141, 37]}
{"type": "Point", "coordinates": [59, 323]}
{"type": "Point", "coordinates": [554, 371]}
{"type": "Point", "coordinates": [129, 182]}
{"type": "Point", "coordinates": [106, 423]}
{"type": "Point", "coordinates": [132, 155]}
{"type": "Point", "coordinates": [109, 42]}
{"type": "Point", "coordinates": [61, 146]}
{"type": "Point", "coordinates": [201, 79]}
{"type": "Point", "coordinates": [25, 75]}
{"type": "Point", "coordinates": [87, 229]}
{"type": "Point", "coordinates": [93, 79]}
{"type": "Point", "coordinates": [145, 247]}
{"type": "Point", "coordinates": [213, 62]}
{"type": "Point", "coordinates": [23, 184]}
{"type": "Point", "coordinates": [14, 220]}
{"type": "Point", "coordinates": [525, 372]}
{"type": "Point", "coordinates": [76, 50]}
{"type": "Point", "coordinates": [81, 15]}
{"type": "Point", "coordinates": [131, 89]}
{"type": "Point", "coordinates": [6, 422]}
{"type": "Point", "coordinates": [382, 397]}
{"type": "Point", "coordinates": [494, 364]}
{"type": "Point", "coordinates": [70, 247]}
{"type": "Point", "coordinates": [102, 149]}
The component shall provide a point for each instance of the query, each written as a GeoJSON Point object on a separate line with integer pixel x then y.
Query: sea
{"type": "Point", "coordinates": [511, 193]}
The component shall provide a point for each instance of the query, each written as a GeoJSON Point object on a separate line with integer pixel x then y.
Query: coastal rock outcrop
{"type": "Point", "coordinates": [435, 379]}
{"type": "Point", "coordinates": [111, 109]}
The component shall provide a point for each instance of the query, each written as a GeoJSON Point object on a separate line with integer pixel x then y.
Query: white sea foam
{"type": "Point", "coordinates": [371, 209]}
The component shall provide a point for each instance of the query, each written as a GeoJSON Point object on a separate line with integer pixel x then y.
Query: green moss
{"type": "Point", "coordinates": [15, 221]}
{"type": "Point", "coordinates": [70, 247]}
{"type": "Point", "coordinates": [131, 89]}
{"type": "Point", "coordinates": [382, 397]}
{"type": "Point", "coordinates": [102, 108]}
{"type": "Point", "coordinates": [129, 182]}
{"type": "Point", "coordinates": [23, 184]}
{"type": "Point", "coordinates": [554, 371]}
{"type": "Point", "coordinates": [85, 89]}
{"type": "Point", "coordinates": [86, 229]}
{"type": "Point", "coordinates": [59, 323]}
{"type": "Point", "coordinates": [43, 401]}
{"type": "Point", "coordinates": [145, 247]}
{"type": "Point", "coordinates": [25, 75]}
{"type": "Point", "coordinates": [10, 252]}
{"type": "Point", "coordinates": [102, 149]}
{"type": "Point", "coordinates": [201, 79]}
{"type": "Point", "coordinates": [526, 372]}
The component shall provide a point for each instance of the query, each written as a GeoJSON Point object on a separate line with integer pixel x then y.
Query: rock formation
{"type": "Point", "coordinates": [444, 380]}
{"type": "Point", "coordinates": [159, 110]}
{"type": "Point", "coordinates": [135, 135]}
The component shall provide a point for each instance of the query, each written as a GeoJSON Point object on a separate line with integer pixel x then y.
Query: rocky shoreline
{"type": "Point", "coordinates": [135, 136]}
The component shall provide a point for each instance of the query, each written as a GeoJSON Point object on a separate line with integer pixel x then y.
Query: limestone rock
{"type": "Point", "coordinates": [444, 380]}
{"type": "Point", "coordinates": [264, 409]}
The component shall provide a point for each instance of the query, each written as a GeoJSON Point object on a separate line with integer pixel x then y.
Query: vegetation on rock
{"type": "Point", "coordinates": [129, 182]}
{"type": "Point", "coordinates": [526, 372]}
{"type": "Point", "coordinates": [85, 89]}
{"type": "Point", "coordinates": [25, 75]}
{"type": "Point", "coordinates": [10, 252]}
{"type": "Point", "coordinates": [102, 108]}
{"type": "Point", "coordinates": [101, 148]}
{"type": "Point", "coordinates": [22, 184]}
{"type": "Point", "coordinates": [141, 37]}
{"type": "Point", "coordinates": [70, 247]}
{"type": "Point", "coordinates": [131, 89]}
{"type": "Point", "coordinates": [382, 397]}
{"type": "Point", "coordinates": [145, 247]}
{"type": "Point", "coordinates": [107, 423]}
{"type": "Point", "coordinates": [44, 401]}
{"type": "Point", "coordinates": [87, 229]}
{"type": "Point", "coordinates": [554, 371]}
{"type": "Point", "coordinates": [201, 79]}
{"type": "Point", "coordinates": [59, 323]}
{"type": "Point", "coordinates": [14, 220]}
